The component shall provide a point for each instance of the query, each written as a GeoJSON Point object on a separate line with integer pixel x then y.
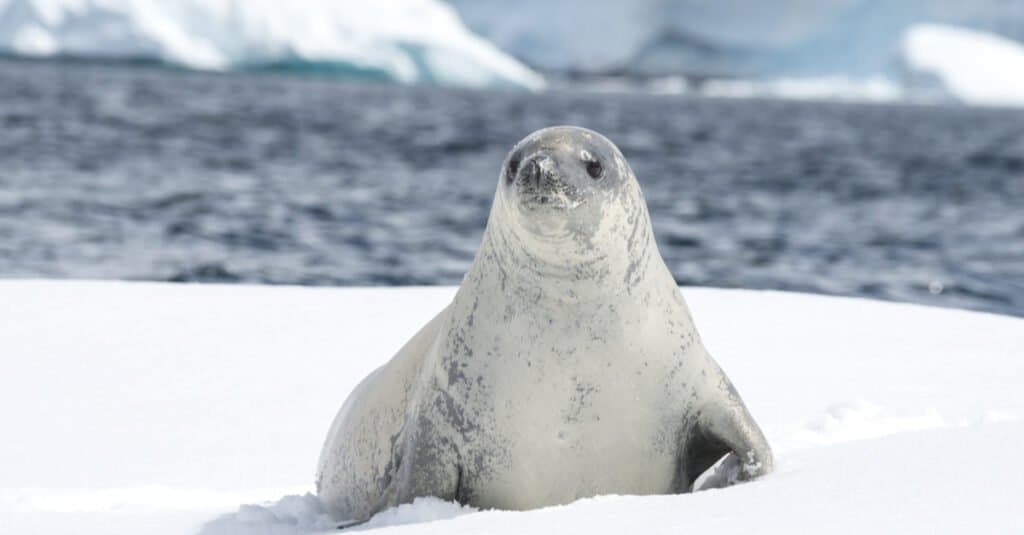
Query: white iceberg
{"type": "Point", "coordinates": [933, 62]}
{"type": "Point", "coordinates": [845, 49]}
{"type": "Point", "coordinates": [407, 41]}
{"type": "Point", "coordinates": [649, 37]}
{"type": "Point", "coordinates": [132, 408]}
{"type": "Point", "coordinates": [974, 67]}
{"type": "Point", "coordinates": [784, 38]}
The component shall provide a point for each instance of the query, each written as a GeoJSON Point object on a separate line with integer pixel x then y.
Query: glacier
{"type": "Point", "coordinates": [403, 41]}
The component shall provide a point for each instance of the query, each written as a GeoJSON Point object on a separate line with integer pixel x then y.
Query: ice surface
{"type": "Point", "coordinates": [407, 41]}
{"type": "Point", "coordinates": [136, 408]}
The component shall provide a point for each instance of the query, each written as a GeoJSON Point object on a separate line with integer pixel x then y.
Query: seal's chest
{"type": "Point", "coordinates": [559, 459]}
{"type": "Point", "coordinates": [589, 432]}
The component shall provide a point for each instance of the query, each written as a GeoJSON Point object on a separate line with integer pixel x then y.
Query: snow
{"type": "Point", "coordinates": [976, 67]}
{"type": "Point", "coordinates": [132, 408]}
{"type": "Point", "coordinates": [407, 41]}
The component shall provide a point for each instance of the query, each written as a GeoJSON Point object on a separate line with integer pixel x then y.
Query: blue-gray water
{"type": "Point", "coordinates": [139, 172]}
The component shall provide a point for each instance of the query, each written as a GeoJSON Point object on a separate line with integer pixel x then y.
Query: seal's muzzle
{"type": "Point", "coordinates": [539, 183]}
{"type": "Point", "coordinates": [538, 174]}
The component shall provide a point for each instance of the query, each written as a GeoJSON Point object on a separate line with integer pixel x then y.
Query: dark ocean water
{"type": "Point", "coordinates": [138, 172]}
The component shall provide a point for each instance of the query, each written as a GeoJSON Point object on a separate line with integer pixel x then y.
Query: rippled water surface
{"type": "Point", "coordinates": [146, 173]}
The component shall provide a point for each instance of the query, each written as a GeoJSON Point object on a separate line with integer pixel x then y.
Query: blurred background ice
{"type": "Point", "coordinates": [854, 147]}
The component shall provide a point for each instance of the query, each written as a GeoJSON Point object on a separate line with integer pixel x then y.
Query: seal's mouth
{"type": "Point", "coordinates": [552, 194]}
{"type": "Point", "coordinates": [548, 201]}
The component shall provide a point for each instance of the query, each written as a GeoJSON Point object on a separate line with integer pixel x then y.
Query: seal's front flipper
{"type": "Point", "coordinates": [725, 429]}
{"type": "Point", "coordinates": [702, 450]}
{"type": "Point", "coordinates": [724, 473]}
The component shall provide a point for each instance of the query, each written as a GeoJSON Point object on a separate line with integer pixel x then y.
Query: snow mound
{"type": "Point", "coordinates": [857, 420]}
{"type": "Point", "coordinates": [290, 515]}
{"type": "Point", "coordinates": [296, 515]}
{"type": "Point", "coordinates": [975, 67]}
{"type": "Point", "coordinates": [135, 408]}
{"type": "Point", "coordinates": [421, 510]}
{"type": "Point", "coordinates": [407, 41]}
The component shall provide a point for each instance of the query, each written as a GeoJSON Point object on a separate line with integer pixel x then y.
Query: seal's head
{"type": "Point", "coordinates": [566, 181]}
{"type": "Point", "coordinates": [568, 208]}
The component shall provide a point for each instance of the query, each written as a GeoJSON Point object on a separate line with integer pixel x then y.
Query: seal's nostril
{"type": "Point", "coordinates": [534, 171]}
{"type": "Point", "coordinates": [530, 172]}
{"type": "Point", "coordinates": [538, 171]}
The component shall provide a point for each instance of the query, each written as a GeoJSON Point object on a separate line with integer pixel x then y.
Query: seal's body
{"type": "Point", "coordinates": [567, 365]}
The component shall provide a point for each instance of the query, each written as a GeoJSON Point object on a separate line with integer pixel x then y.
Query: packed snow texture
{"type": "Point", "coordinates": [406, 41]}
{"type": "Point", "coordinates": [134, 408]}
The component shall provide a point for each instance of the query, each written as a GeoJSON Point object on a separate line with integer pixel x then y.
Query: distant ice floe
{"type": "Point", "coordinates": [834, 88]}
{"type": "Point", "coordinates": [874, 88]}
{"type": "Point", "coordinates": [405, 41]}
{"type": "Point", "coordinates": [974, 67]}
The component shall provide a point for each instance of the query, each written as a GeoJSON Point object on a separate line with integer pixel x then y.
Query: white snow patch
{"type": "Point", "coordinates": [156, 408]}
{"type": "Point", "coordinates": [858, 420]}
{"type": "Point", "coordinates": [995, 417]}
{"type": "Point", "coordinates": [408, 41]}
{"type": "Point", "coordinates": [419, 511]}
{"type": "Point", "coordinates": [976, 67]}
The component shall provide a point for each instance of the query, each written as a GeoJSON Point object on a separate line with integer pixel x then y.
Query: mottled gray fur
{"type": "Point", "coordinates": [567, 365]}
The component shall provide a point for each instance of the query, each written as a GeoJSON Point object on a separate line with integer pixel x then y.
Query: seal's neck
{"type": "Point", "coordinates": [612, 260]}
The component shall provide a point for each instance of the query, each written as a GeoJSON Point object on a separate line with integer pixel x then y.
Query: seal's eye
{"type": "Point", "coordinates": [594, 169]}
{"type": "Point", "coordinates": [513, 168]}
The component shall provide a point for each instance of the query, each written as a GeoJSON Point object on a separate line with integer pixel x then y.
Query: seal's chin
{"type": "Point", "coordinates": [546, 212]}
